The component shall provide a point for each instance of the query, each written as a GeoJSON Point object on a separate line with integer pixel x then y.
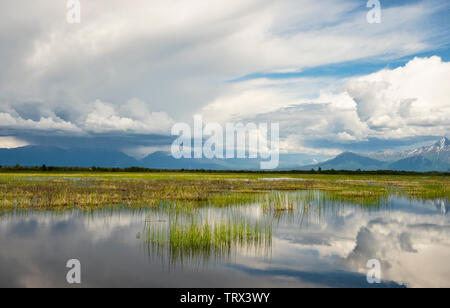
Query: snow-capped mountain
{"type": "Point", "coordinates": [435, 157]}
{"type": "Point", "coordinates": [440, 148]}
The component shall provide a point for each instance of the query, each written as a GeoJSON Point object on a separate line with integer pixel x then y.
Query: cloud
{"type": "Point", "coordinates": [177, 58]}
{"type": "Point", "coordinates": [176, 62]}
{"type": "Point", "coordinates": [98, 117]}
{"type": "Point", "coordinates": [406, 102]}
{"type": "Point", "coordinates": [45, 124]}
{"type": "Point", "coordinates": [132, 117]}
{"type": "Point", "coordinates": [9, 142]}
{"type": "Point", "coordinates": [409, 100]}
{"type": "Point", "coordinates": [328, 116]}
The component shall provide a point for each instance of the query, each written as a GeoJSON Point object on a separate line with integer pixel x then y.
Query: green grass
{"type": "Point", "coordinates": [196, 235]}
{"type": "Point", "coordinates": [279, 202]}
{"type": "Point", "coordinates": [90, 190]}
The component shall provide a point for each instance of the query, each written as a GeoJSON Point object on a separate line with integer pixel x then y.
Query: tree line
{"type": "Point", "coordinates": [44, 168]}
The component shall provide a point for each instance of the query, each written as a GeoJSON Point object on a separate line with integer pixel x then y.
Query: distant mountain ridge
{"type": "Point", "coordinates": [349, 161]}
{"type": "Point", "coordinates": [54, 156]}
{"type": "Point", "coordinates": [440, 147]}
{"type": "Point", "coordinates": [435, 157]}
{"type": "Point", "coordinates": [77, 157]}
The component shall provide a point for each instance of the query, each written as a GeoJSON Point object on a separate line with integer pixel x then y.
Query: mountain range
{"type": "Point", "coordinates": [82, 157]}
{"type": "Point", "coordinates": [435, 157]}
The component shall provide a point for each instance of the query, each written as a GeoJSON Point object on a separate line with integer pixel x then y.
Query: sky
{"type": "Point", "coordinates": [130, 70]}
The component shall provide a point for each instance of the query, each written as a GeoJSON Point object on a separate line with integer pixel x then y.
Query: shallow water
{"type": "Point", "coordinates": [325, 245]}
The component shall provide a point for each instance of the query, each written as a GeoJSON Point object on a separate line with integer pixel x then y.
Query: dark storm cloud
{"type": "Point", "coordinates": [111, 141]}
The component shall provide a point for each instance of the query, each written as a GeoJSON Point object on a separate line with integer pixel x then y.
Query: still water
{"type": "Point", "coordinates": [313, 245]}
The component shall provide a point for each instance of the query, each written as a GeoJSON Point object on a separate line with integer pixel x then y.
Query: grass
{"type": "Point", "coordinates": [278, 202]}
{"type": "Point", "coordinates": [96, 190]}
{"type": "Point", "coordinates": [202, 235]}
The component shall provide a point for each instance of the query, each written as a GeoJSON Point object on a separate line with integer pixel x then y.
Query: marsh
{"type": "Point", "coordinates": [253, 235]}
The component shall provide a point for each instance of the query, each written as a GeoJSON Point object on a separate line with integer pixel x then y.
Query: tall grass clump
{"type": "Point", "coordinates": [279, 202]}
{"type": "Point", "coordinates": [203, 239]}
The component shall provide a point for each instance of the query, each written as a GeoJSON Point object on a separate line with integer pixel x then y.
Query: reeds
{"type": "Point", "coordinates": [201, 235]}
{"type": "Point", "coordinates": [89, 192]}
{"type": "Point", "coordinates": [279, 202]}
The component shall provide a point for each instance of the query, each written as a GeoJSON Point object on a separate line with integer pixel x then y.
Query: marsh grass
{"type": "Point", "coordinates": [149, 190]}
{"type": "Point", "coordinates": [201, 235]}
{"type": "Point", "coordinates": [279, 202]}
{"type": "Point", "coordinates": [427, 191]}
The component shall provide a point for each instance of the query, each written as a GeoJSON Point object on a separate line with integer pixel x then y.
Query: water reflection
{"type": "Point", "coordinates": [441, 204]}
{"type": "Point", "coordinates": [318, 242]}
{"type": "Point", "coordinates": [200, 235]}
